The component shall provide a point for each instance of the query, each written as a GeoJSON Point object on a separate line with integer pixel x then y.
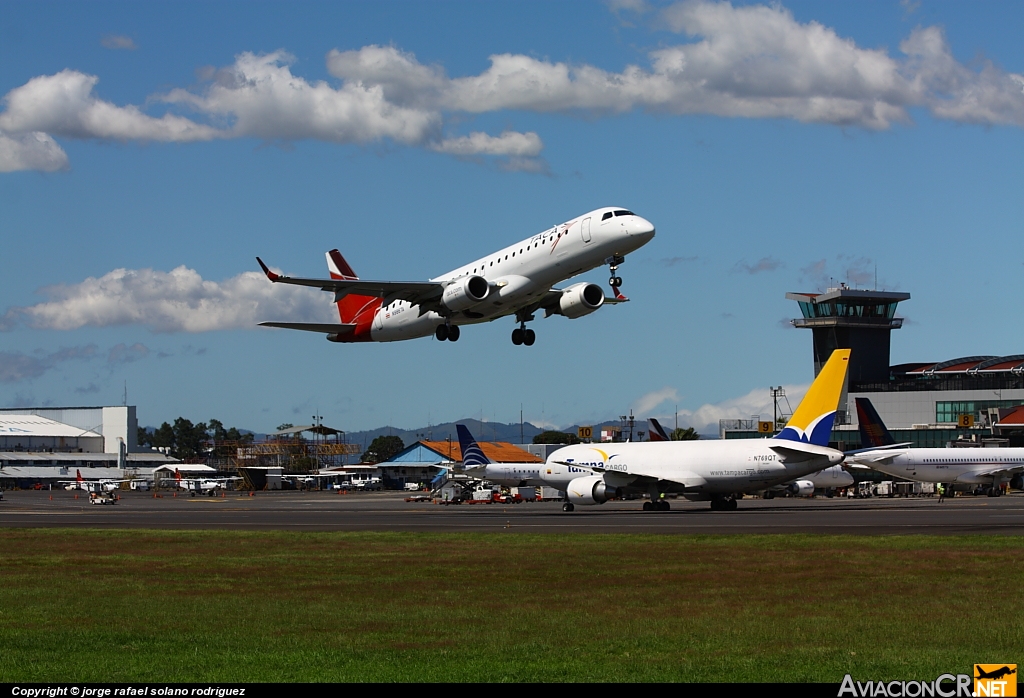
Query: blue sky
{"type": "Point", "coordinates": [149, 151]}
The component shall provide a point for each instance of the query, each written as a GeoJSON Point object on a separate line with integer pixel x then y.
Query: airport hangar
{"type": "Point", "coordinates": [45, 445]}
{"type": "Point", "coordinates": [965, 401]}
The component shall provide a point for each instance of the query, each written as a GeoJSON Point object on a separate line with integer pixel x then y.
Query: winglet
{"type": "Point", "coordinates": [270, 275]}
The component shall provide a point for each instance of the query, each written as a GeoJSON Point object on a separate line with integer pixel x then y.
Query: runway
{"type": "Point", "coordinates": [388, 511]}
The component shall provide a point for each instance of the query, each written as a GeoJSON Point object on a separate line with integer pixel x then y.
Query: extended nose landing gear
{"type": "Point", "coordinates": [613, 263]}
{"type": "Point", "coordinates": [447, 331]}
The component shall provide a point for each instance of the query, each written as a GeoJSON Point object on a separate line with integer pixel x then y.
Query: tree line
{"type": "Point", "coordinates": [184, 440]}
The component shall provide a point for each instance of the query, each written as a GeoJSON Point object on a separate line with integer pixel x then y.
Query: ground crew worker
{"type": "Point", "coordinates": [942, 492]}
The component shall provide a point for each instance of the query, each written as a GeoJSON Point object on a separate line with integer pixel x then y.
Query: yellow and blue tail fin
{"type": "Point", "coordinates": [812, 422]}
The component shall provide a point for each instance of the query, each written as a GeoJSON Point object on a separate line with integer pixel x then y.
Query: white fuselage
{"type": "Point", "coordinates": [960, 465]}
{"type": "Point", "coordinates": [710, 467]}
{"type": "Point", "coordinates": [520, 275]}
{"type": "Point", "coordinates": [548, 474]}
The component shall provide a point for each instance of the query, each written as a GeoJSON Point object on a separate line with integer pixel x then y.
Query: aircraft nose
{"type": "Point", "coordinates": [641, 227]}
{"type": "Point", "coordinates": [836, 458]}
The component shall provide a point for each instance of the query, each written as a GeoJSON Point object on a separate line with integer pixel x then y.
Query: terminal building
{"type": "Point", "coordinates": [969, 400]}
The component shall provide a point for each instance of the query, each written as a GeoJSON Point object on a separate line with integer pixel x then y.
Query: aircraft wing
{"type": "Point", "coordinates": [325, 328]}
{"type": "Point", "coordinates": [1002, 470]}
{"type": "Point", "coordinates": [883, 458]}
{"type": "Point", "coordinates": [686, 478]}
{"type": "Point", "coordinates": [413, 291]}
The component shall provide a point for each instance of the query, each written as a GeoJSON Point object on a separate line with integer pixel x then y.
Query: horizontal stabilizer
{"type": "Point", "coordinates": [323, 327]}
{"type": "Point", "coordinates": [797, 451]}
{"type": "Point", "coordinates": [876, 449]}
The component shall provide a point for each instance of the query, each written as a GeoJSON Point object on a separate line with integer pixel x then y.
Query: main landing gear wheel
{"type": "Point", "coordinates": [659, 505]}
{"type": "Point", "coordinates": [523, 336]}
{"type": "Point", "coordinates": [568, 507]}
{"type": "Point", "coordinates": [447, 332]}
{"type": "Point", "coordinates": [615, 281]}
{"type": "Point", "coordinates": [723, 505]}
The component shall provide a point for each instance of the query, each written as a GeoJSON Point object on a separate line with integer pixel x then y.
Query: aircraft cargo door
{"type": "Point", "coordinates": [585, 230]}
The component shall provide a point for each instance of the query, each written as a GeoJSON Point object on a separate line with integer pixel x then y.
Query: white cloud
{"type": "Point", "coordinates": [757, 402]}
{"type": "Point", "coordinates": [646, 403]}
{"type": "Point", "coordinates": [751, 61]}
{"type": "Point", "coordinates": [64, 105]}
{"type": "Point", "coordinates": [113, 41]}
{"type": "Point", "coordinates": [176, 301]}
{"type": "Point", "coordinates": [264, 99]}
{"type": "Point", "coordinates": [508, 143]}
{"type": "Point", "coordinates": [31, 151]}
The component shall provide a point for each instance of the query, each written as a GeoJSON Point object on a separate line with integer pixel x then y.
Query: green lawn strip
{"type": "Point", "coordinates": [88, 605]}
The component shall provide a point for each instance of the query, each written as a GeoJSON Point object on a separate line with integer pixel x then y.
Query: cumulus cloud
{"type": "Point", "coordinates": [176, 301]}
{"type": "Point", "coordinates": [64, 105]}
{"type": "Point", "coordinates": [752, 61]}
{"type": "Point", "coordinates": [31, 151]}
{"type": "Point", "coordinates": [477, 143]}
{"type": "Point", "coordinates": [647, 403]}
{"type": "Point", "coordinates": [757, 402]}
{"type": "Point", "coordinates": [763, 264]}
{"type": "Point", "coordinates": [17, 366]}
{"type": "Point", "coordinates": [113, 41]}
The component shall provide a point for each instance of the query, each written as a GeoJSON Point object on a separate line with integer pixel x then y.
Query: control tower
{"type": "Point", "coordinates": [844, 318]}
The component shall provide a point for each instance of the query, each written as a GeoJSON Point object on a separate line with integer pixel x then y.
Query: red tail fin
{"type": "Point", "coordinates": [353, 309]}
{"type": "Point", "coordinates": [78, 475]}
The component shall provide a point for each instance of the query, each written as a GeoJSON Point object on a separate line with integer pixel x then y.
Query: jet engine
{"type": "Point", "coordinates": [580, 299]}
{"type": "Point", "coordinates": [801, 488]}
{"type": "Point", "coordinates": [465, 293]}
{"type": "Point", "coordinates": [590, 490]}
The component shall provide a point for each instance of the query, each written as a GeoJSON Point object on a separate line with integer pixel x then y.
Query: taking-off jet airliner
{"type": "Point", "coordinates": [518, 280]}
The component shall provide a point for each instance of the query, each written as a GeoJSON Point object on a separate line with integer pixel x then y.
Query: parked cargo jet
{"type": "Point", "coordinates": [517, 280]}
{"type": "Point", "coordinates": [989, 467]}
{"type": "Point", "coordinates": [714, 470]}
{"type": "Point", "coordinates": [827, 479]}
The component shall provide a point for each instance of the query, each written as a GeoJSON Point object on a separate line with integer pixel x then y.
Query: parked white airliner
{"type": "Point", "coordinates": [714, 470]}
{"type": "Point", "coordinates": [989, 467]}
{"type": "Point", "coordinates": [517, 280]}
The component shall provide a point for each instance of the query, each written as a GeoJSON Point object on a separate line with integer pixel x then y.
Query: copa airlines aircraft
{"type": "Point", "coordinates": [477, 465]}
{"type": "Point", "coordinates": [968, 466]}
{"type": "Point", "coordinates": [518, 280]}
{"type": "Point", "coordinates": [714, 470]}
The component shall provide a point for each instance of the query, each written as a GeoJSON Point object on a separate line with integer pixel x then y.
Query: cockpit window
{"type": "Point", "coordinates": [607, 216]}
{"type": "Point", "coordinates": [624, 213]}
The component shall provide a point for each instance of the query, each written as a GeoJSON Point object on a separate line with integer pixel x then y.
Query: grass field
{"type": "Point", "coordinates": [250, 606]}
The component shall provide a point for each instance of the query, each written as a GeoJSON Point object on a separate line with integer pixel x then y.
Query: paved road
{"type": "Point", "coordinates": [321, 511]}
